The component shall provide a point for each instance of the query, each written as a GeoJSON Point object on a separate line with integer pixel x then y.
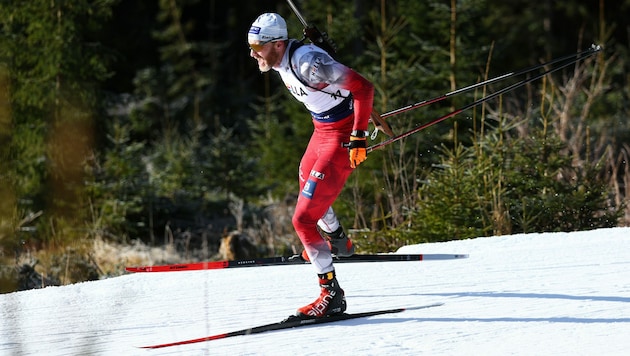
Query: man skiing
{"type": "Point", "coordinates": [340, 103]}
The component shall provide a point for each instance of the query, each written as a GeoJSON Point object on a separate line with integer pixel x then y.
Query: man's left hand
{"type": "Point", "coordinates": [358, 150]}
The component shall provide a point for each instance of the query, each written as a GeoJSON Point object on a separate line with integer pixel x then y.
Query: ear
{"type": "Point", "coordinates": [280, 44]}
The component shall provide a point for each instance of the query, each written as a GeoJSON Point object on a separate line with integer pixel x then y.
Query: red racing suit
{"type": "Point", "coordinates": [340, 101]}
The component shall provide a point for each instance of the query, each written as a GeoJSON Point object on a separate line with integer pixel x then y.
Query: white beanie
{"type": "Point", "coordinates": [268, 26]}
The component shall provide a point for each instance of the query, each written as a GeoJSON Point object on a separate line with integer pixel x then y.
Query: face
{"type": "Point", "coordinates": [267, 54]}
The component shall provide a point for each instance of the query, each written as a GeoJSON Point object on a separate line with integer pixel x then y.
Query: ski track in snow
{"type": "Point", "coordinates": [528, 294]}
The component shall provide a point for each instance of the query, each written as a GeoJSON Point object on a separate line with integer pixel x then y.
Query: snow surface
{"type": "Point", "coordinates": [529, 294]}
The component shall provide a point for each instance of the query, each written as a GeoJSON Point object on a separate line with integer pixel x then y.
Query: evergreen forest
{"type": "Point", "coordinates": [146, 126]}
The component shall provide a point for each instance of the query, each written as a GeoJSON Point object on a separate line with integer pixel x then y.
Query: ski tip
{"type": "Point", "coordinates": [424, 306]}
{"type": "Point", "coordinates": [438, 304]}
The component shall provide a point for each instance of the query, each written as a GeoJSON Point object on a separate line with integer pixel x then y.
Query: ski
{"type": "Point", "coordinates": [292, 260]}
{"type": "Point", "coordinates": [289, 323]}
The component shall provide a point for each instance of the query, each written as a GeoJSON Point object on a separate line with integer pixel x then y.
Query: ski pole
{"type": "Point", "coordinates": [594, 49]}
{"type": "Point", "coordinates": [420, 104]}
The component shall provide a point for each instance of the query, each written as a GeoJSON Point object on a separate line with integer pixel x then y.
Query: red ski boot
{"type": "Point", "coordinates": [331, 300]}
{"type": "Point", "coordinates": [340, 244]}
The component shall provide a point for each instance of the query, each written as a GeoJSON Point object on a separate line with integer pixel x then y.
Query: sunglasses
{"type": "Point", "coordinates": [257, 47]}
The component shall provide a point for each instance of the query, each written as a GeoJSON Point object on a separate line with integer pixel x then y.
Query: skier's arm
{"type": "Point", "coordinates": [320, 70]}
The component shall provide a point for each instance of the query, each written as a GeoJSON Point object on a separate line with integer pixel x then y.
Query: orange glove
{"type": "Point", "coordinates": [357, 148]}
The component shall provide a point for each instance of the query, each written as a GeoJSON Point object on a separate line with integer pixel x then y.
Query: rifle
{"type": "Point", "coordinates": [319, 38]}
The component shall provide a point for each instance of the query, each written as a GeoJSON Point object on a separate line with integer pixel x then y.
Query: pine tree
{"type": "Point", "coordinates": [51, 74]}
